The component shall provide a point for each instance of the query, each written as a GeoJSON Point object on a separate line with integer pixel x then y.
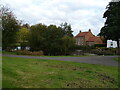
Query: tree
{"type": "Point", "coordinates": [111, 29]}
{"type": "Point", "coordinates": [0, 33]}
{"type": "Point", "coordinates": [22, 37]}
{"type": "Point", "coordinates": [67, 29]}
{"type": "Point", "coordinates": [26, 26]}
{"type": "Point", "coordinates": [36, 37]}
{"type": "Point", "coordinates": [68, 44]}
{"type": "Point", "coordinates": [9, 27]}
{"type": "Point", "coordinates": [53, 36]}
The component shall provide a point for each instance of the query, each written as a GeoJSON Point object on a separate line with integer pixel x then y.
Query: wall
{"type": "Point", "coordinates": [90, 43]}
{"type": "Point", "coordinates": [80, 41]}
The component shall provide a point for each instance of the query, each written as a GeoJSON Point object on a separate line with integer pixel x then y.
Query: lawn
{"type": "Point", "coordinates": [117, 59]}
{"type": "Point", "coordinates": [37, 73]}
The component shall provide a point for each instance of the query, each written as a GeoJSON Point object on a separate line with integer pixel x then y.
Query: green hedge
{"type": "Point", "coordinates": [100, 45]}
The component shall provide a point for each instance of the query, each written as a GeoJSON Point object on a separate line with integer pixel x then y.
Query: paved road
{"type": "Point", "coordinates": [101, 60]}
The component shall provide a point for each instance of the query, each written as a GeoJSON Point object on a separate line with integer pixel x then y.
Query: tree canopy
{"type": "Point", "coordinates": [9, 27]}
{"type": "Point", "coordinates": [111, 29]}
{"type": "Point", "coordinates": [66, 29]}
{"type": "Point", "coordinates": [50, 39]}
{"type": "Point", "coordinates": [22, 37]}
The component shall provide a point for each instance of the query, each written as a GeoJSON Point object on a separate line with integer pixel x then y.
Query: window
{"type": "Point", "coordinates": [111, 44]}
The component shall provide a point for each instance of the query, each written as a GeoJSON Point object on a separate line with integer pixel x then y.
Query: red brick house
{"type": "Point", "coordinates": [87, 38]}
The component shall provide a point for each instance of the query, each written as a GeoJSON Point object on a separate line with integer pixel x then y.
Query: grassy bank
{"type": "Point", "coordinates": [36, 73]}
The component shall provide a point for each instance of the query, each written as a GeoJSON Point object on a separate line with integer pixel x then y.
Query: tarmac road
{"type": "Point", "coordinates": [100, 60]}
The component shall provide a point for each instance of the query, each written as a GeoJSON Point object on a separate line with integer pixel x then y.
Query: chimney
{"type": "Point", "coordinates": [80, 31]}
{"type": "Point", "coordinates": [89, 30]}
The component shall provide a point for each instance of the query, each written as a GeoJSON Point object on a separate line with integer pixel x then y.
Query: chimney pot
{"type": "Point", "coordinates": [89, 30]}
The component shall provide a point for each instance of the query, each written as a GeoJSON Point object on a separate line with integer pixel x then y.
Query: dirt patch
{"type": "Point", "coordinates": [73, 68]}
{"type": "Point", "coordinates": [79, 84]}
{"type": "Point", "coordinates": [72, 84]}
{"type": "Point", "coordinates": [39, 63]}
{"type": "Point", "coordinates": [105, 78]}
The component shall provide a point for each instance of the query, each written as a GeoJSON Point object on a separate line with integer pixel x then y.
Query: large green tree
{"type": "Point", "coordinates": [68, 44]}
{"type": "Point", "coordinates": [53, 36]}
{"type": "Point", "coordinates": [36, 37]}
{"type": "Point", "coordinates": [111, 29]}
{"type": "Point", "coordinates": [50, 39]}
{"type": "Point", "coordinates": [9, 27]}
{"type": "Point", "coordinates": [66, 29]}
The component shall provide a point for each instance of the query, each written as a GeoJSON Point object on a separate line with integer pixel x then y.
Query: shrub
{"type": "Point", "coordinates": [25, 52]}
{"type": "Point", "coordinates": [100, 45]}
{"type": "Point", "coordinates": [104, 51]}
{"type": "Point", "coordinates": [84, 48]}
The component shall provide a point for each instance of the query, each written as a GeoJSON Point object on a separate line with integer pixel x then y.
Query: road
{"type": "Point", "coordinates": [100, 60]}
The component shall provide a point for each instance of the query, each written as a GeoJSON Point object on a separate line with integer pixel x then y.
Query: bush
{"type": "Point", "coordinates": [104, 51]}
{"type": "Point", "coordinates": [84, 48]}
{"type": "Point", "coordinates": [100, 45]}
{"type": "Point", "coordinates": [25, 52]}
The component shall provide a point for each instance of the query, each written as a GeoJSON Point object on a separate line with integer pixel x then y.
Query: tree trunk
{"type": "Point", "coordinates": [118, 50]}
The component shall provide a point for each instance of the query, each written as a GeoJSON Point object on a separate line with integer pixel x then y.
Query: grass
{"type": "Point", "coordinates": [117, 59]}
{"type": "Point", "coordinates": [37, 73]}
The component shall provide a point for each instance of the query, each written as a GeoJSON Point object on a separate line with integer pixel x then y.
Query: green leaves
{"type": "Point", "coordinates": [9, 27]}
{"type": "Point", "coordinates": [111, 30]}
{"type": "Point", "coordinates": [50, 39]}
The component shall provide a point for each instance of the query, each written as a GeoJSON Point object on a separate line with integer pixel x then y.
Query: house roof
{"type": "Point", "coordinates": [95, 39]}
{"type": "Point", "coordinates": [81, 34]}
{"type": "Point", "coordinates": [91, 39]}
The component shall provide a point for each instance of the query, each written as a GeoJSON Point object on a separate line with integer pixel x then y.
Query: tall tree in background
{"type": "Point", "coordinates": [22, 37]}
{"type": "Point", "coordinates": [36, 37]}
{"type": "Point", "coordinates": [50, 39]}
{"type": "Point", "coordinates": [53, 41]}
{"type": "Point", "coordinates": [27, 26]}
{"type": "Point", "coordinates": [9, 27]}
{"type": "Point", "coordinates": [111, 29]}
{"type": "Point", "coordinates": [68, 44]}
{"type": "Point", "coordinates": [67, 29]}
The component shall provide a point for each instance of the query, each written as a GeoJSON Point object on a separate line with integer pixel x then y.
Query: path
{"type": "Point", "coordinates": [101, 60]}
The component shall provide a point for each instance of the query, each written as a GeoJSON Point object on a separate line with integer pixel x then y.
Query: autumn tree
{"type": "Point", "coordinates": [22, 37]}
{"type": "Point", "coordinates": [9, 27]}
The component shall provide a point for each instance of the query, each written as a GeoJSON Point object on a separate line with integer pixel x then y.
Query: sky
{"type": "Point", "coordinates": [80, 14]}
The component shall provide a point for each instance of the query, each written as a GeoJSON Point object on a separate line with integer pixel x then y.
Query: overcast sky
{"type": "Point", "coordinates": [81, 14]}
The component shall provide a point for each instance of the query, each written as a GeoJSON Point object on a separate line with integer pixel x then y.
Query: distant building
{"type": "Point", "coordinates": [111, 44]}
{"type": "Point", "coordinates": [87, 38]}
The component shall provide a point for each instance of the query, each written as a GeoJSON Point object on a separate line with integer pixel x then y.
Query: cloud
{"type": "Point", "coordinates": [81, 14]}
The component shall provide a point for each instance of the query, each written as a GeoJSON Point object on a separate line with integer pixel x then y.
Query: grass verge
{"type": "Point", "coordinates": [37, 73]}
{"type": "Point", "coordinates": [117, 59]}
{"type": "Point", "coordinates": [14, 53]}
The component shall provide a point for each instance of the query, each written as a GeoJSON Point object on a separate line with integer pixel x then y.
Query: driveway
{"type": "Point", "coordinates": [101, 60]}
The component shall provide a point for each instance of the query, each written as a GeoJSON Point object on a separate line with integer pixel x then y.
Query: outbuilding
{"type": "Point", "coordinates": [111, 44]}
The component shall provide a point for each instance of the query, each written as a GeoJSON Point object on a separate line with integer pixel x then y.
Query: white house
{"type": "Point", "coordinates": [111, 44]}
